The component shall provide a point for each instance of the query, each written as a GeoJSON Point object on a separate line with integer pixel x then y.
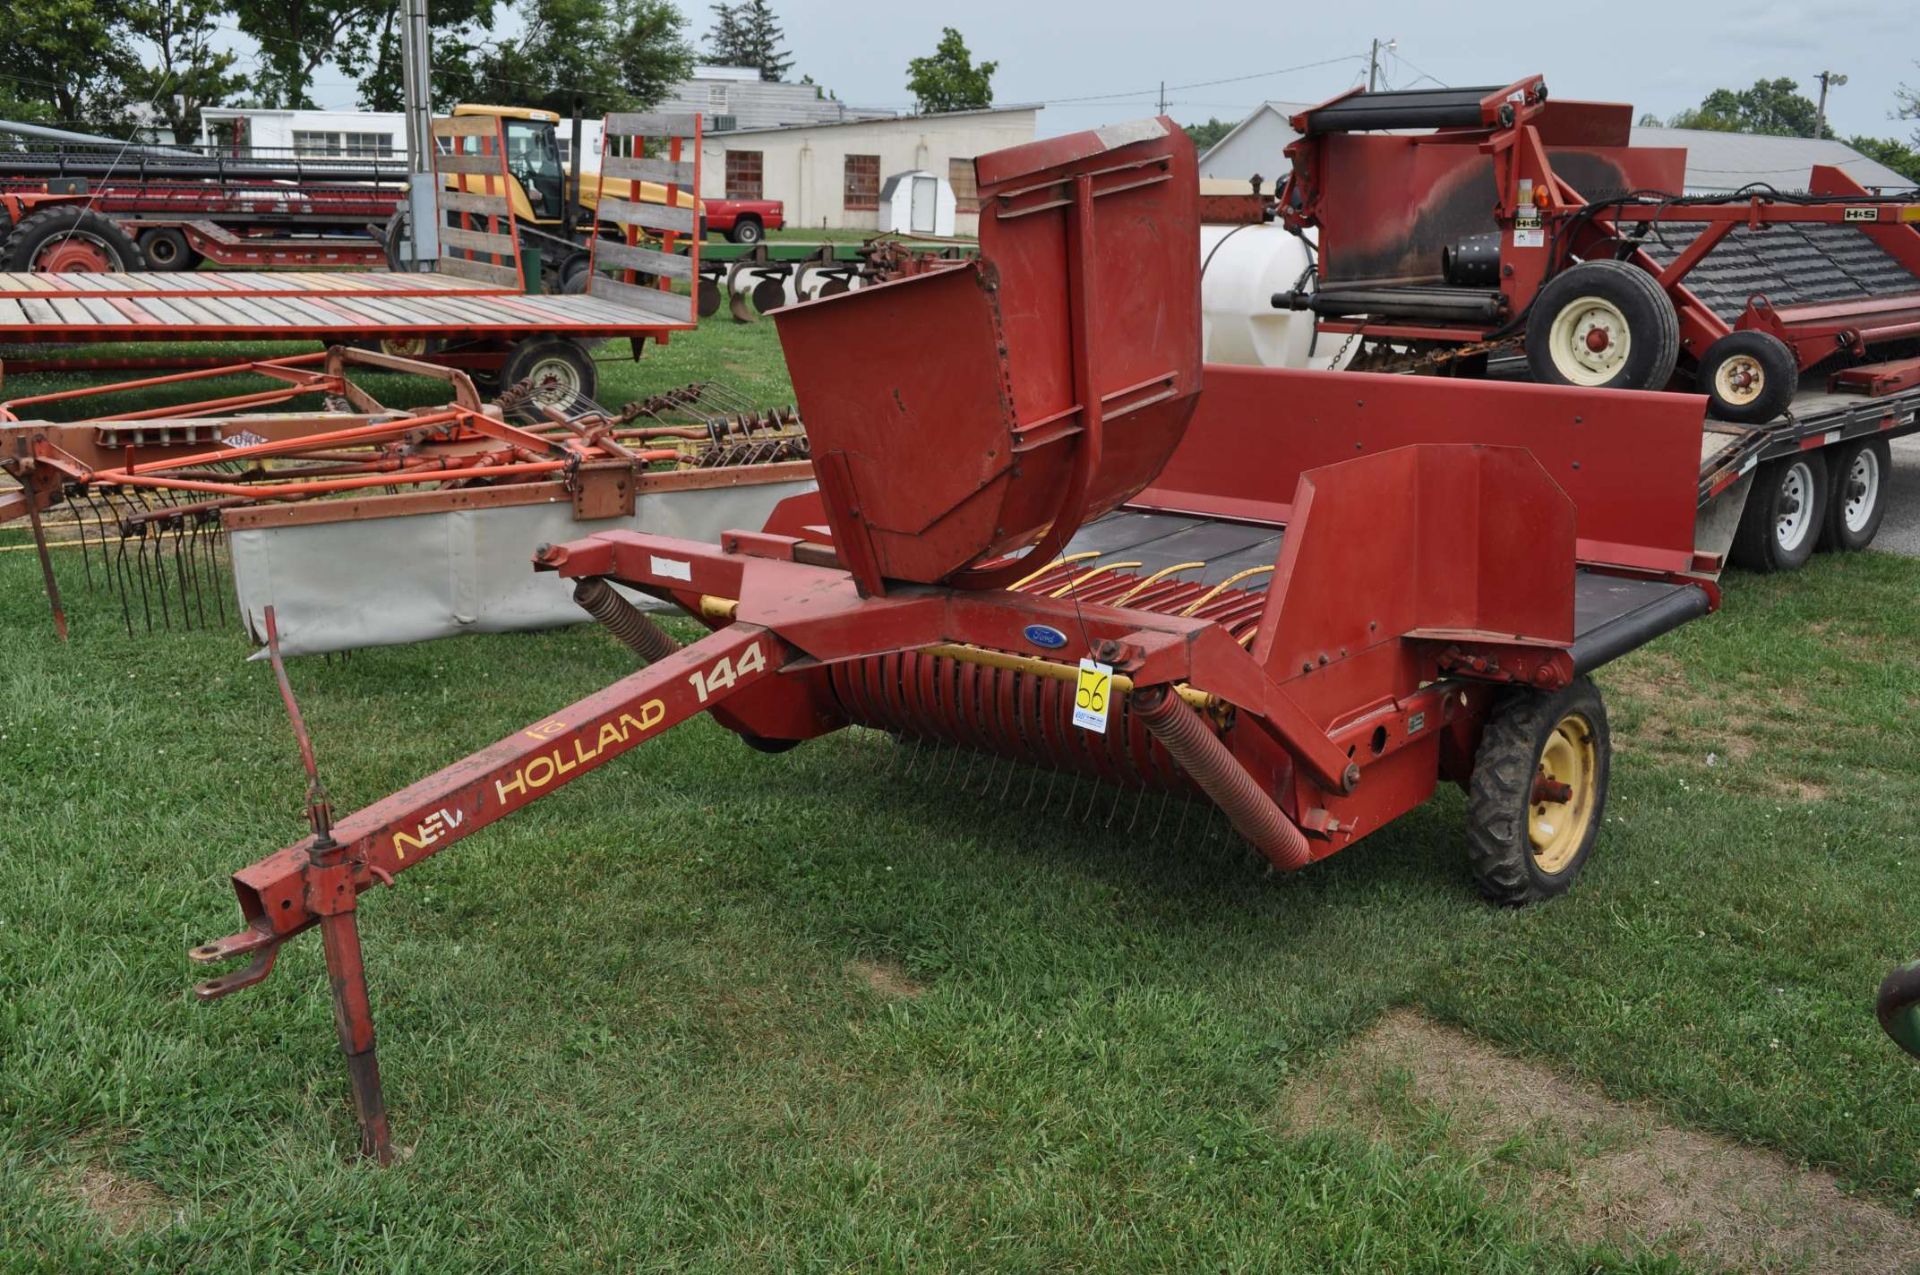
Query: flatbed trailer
{"type": "Point", "coordinates": [473, 313]}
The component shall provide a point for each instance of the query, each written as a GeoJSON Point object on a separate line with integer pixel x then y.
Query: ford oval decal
{"type": "Point", "coordinates": [1046, 637]}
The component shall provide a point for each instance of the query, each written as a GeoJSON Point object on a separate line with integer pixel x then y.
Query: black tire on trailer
{"type": "Point", "coordinates": [1603, 324]}
{"type": "Point", "coordinates": [573, 273]}
{"type": "Point", "coordinates": [1538, 793]}
{"type": "Point", "coordinates": [43, 236]}
{"type": "Point", "coordinates": [1785, 511]}
{"type": "Point", "coordinates": [167, 249]}
{"type": "Point", "coordinates": [1748, 377]}
{"type": "Point", "coordinates": [1857, 500]}
{"type": "Point", "coordinates": [561, 370]}
{"type": "Point", "coordinates": [747, 230]}
{"type": "Point", "coordinates": [393, 240]}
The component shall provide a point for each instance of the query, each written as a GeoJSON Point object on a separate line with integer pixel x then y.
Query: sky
{"type": "Point", "coordinates": [1095, 61]}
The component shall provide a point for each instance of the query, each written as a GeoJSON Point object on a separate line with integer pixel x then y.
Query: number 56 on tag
{"type": "Point", "coordinates": [1092, 694]}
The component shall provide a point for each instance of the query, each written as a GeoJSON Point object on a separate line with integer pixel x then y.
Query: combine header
{"type": "Point", "coordinates": [1038, 537]}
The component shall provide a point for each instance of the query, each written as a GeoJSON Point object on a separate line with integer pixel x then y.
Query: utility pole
{"type": "Point", "coordinates": [1373, 62]}
{"type": "Point", "coordinates": [1828, 79]}
{"type": "Point", "coordinates": [416, 75]}
{"type": "Point", "coordinates": [1163, 99]}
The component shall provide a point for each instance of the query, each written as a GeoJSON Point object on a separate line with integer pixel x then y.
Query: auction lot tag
{"type": "Point", "coordinates": [1091, 695]}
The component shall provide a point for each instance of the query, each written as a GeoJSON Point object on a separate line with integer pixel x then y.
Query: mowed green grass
{"type": "Point", "coordinates": [836, 1009]}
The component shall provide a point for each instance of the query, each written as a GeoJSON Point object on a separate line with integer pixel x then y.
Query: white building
{"type": "Point", "coordinates": [1257, 144]}
{"type": "Point", "coordinates": [830, 175]}
{"type": "Point", "coordinates": [734, 97]}
{"type": "Point", "coordinates": [1721, 162]}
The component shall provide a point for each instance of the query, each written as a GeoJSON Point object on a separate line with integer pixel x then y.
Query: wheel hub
{"type": "Point", "coordinates": [1791, 521]}
{"type": "Point", "coordinates": [1862, 490]}
{"type": "Point", "coordinates": [1739, 380]}
{"type": "Point", "coordinates": [1590, 341]}
{"type": "Point", "coordinates": [1561, 809]}
{"type": "Point", "coordinates": [72, 255]}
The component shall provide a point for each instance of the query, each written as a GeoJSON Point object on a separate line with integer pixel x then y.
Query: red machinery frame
{"type": "Point", "coordinates": [923, 588]}
{"type": "Point", "coordinates": [1565, 186]}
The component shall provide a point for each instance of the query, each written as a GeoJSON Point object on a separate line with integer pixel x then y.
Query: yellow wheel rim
{"type": "Point", "coordinates": [1563, 792]}
{"type": "Point", "coordinates": [1739, 380]}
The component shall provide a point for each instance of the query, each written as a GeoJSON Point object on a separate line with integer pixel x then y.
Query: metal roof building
{"type": "Point", "coordinates": [1719, 162]}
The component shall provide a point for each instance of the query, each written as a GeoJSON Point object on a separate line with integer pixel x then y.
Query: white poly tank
{"type": "Point", "coordinates": [1241, 268]}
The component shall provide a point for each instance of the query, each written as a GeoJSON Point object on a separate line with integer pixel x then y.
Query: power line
{"type": "Point", "coordinates": [1149, 93]}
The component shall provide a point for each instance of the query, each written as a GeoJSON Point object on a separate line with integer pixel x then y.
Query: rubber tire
{"type": "Point", "coordinates": [573, 273]}
{"type": "Point", "coordinates": [1501, 789]}
{"type": "Point", "coordinates": [1652, 326]}
{"type": "Point", "coordinates": [31, 233]}
{"type": "Point", "coordinates": [174, 252]}
{"type": "Point", "coordinates": [393, 239]}
{"type": "Point", "coordinates": [1834, 535]}
{"type": "Point", "coordinates": [1779, 372]}
{"type": "Point", "coordinates": [524, 357]}
{"type": "Point", "coordinates": [747, 230]}
{"type": "Point", "coordinates": [1755, 545]}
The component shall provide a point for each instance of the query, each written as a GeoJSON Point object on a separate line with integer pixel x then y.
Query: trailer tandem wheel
{"type": "Point", "coordinates": [168, 249]}
{"type": "Point", "coordinates": [1785, 512]}
{"type": "Point", "coordinates": [1604, 325]}
{"type": "Point", "coordinates": [1858, 499]}
{"type": "Point", "coordinates": [1538, 792]}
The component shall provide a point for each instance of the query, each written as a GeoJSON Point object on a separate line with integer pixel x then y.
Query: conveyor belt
{"type": "Point", "coordinates": [1789, 263]}
{"type": "Point", "coordinates": [1611, 614]}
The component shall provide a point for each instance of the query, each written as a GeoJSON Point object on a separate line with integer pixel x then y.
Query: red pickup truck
{"type": "Point", "coordinates": [743, 220]}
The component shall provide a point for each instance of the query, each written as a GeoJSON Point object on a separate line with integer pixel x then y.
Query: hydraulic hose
{"type": "Point", "coordinates": [1187, 738]}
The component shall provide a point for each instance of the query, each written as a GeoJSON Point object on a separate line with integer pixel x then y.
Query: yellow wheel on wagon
{"type": "Point", "coordinates": [1538, 792]}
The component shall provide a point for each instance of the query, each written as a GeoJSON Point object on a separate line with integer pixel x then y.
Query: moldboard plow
{"type": "Point", "coordinates": [148, 497]}
{"type": "Point", "coordinates": [1302, 598]}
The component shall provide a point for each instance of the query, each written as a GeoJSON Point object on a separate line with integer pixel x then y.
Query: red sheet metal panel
{"type": "Point", "coordinates": [1432, 540]}
{"type": "Point", "coordinates": [1630, 461]}
{"type": "Point", "coordinates": [971, 411]}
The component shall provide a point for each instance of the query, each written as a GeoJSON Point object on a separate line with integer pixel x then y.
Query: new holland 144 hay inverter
{"type": "Point", "coordinates": [1043, 533]}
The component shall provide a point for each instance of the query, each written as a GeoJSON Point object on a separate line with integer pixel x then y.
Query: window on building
{"type": "Point", "coordinates": [966, 185]}
{"type": "Point", "coordinates": [362, 145]}
{"type": "Point", "coordinates": [861, 191]}
{"type": "Point", "coordinates": [716, 97]}
{"type": "Point", "coordinates": [743, 175]}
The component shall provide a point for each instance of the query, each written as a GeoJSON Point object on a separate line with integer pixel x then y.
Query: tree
{"type": "Point", "coordinates": [748, 34]}
{"type": "Point", "coordinates": [653, 52]}
{"type": "Point", "coordinates": [297, 37]}
{"type": "Point", "coordinates": [64, 63]}
{"type": "Point", "coordinates": [760, 37]}
{"type": "Point", "coordinates": [948, 80]}
{"type": "Point", "coordinates": [1206, 136]}
{"type": "Point", "coordinates": [185, 72]}
{"type": "Point", "coordinates": [1898, 156]}
{"type": "Point", "coordinates": [1770, 106]}
{"type": "Point", "coordinates": [1907, 106]}
{"type": "Point", "coordinates": [371, 53]}
{"type": "Point", "coordinates": [608, 55]}
{"type": "Point", "coordinates": [726, 44]}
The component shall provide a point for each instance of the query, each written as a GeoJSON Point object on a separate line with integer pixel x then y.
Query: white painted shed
{"type": "Point", "coordinates": [917, 203]}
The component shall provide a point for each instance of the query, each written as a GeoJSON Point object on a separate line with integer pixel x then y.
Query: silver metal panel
{"type": "Point", "coordinates": [382, 581]}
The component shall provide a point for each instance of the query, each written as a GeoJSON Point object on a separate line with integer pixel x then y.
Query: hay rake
{"type": "Point", "coordinates": [1038, 542]}
{"type": "Point", "coordinates": [142, 494]}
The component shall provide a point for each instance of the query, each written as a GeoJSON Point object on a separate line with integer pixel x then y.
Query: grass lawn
{"type": "Point", "coordinates": [710, 1009]}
